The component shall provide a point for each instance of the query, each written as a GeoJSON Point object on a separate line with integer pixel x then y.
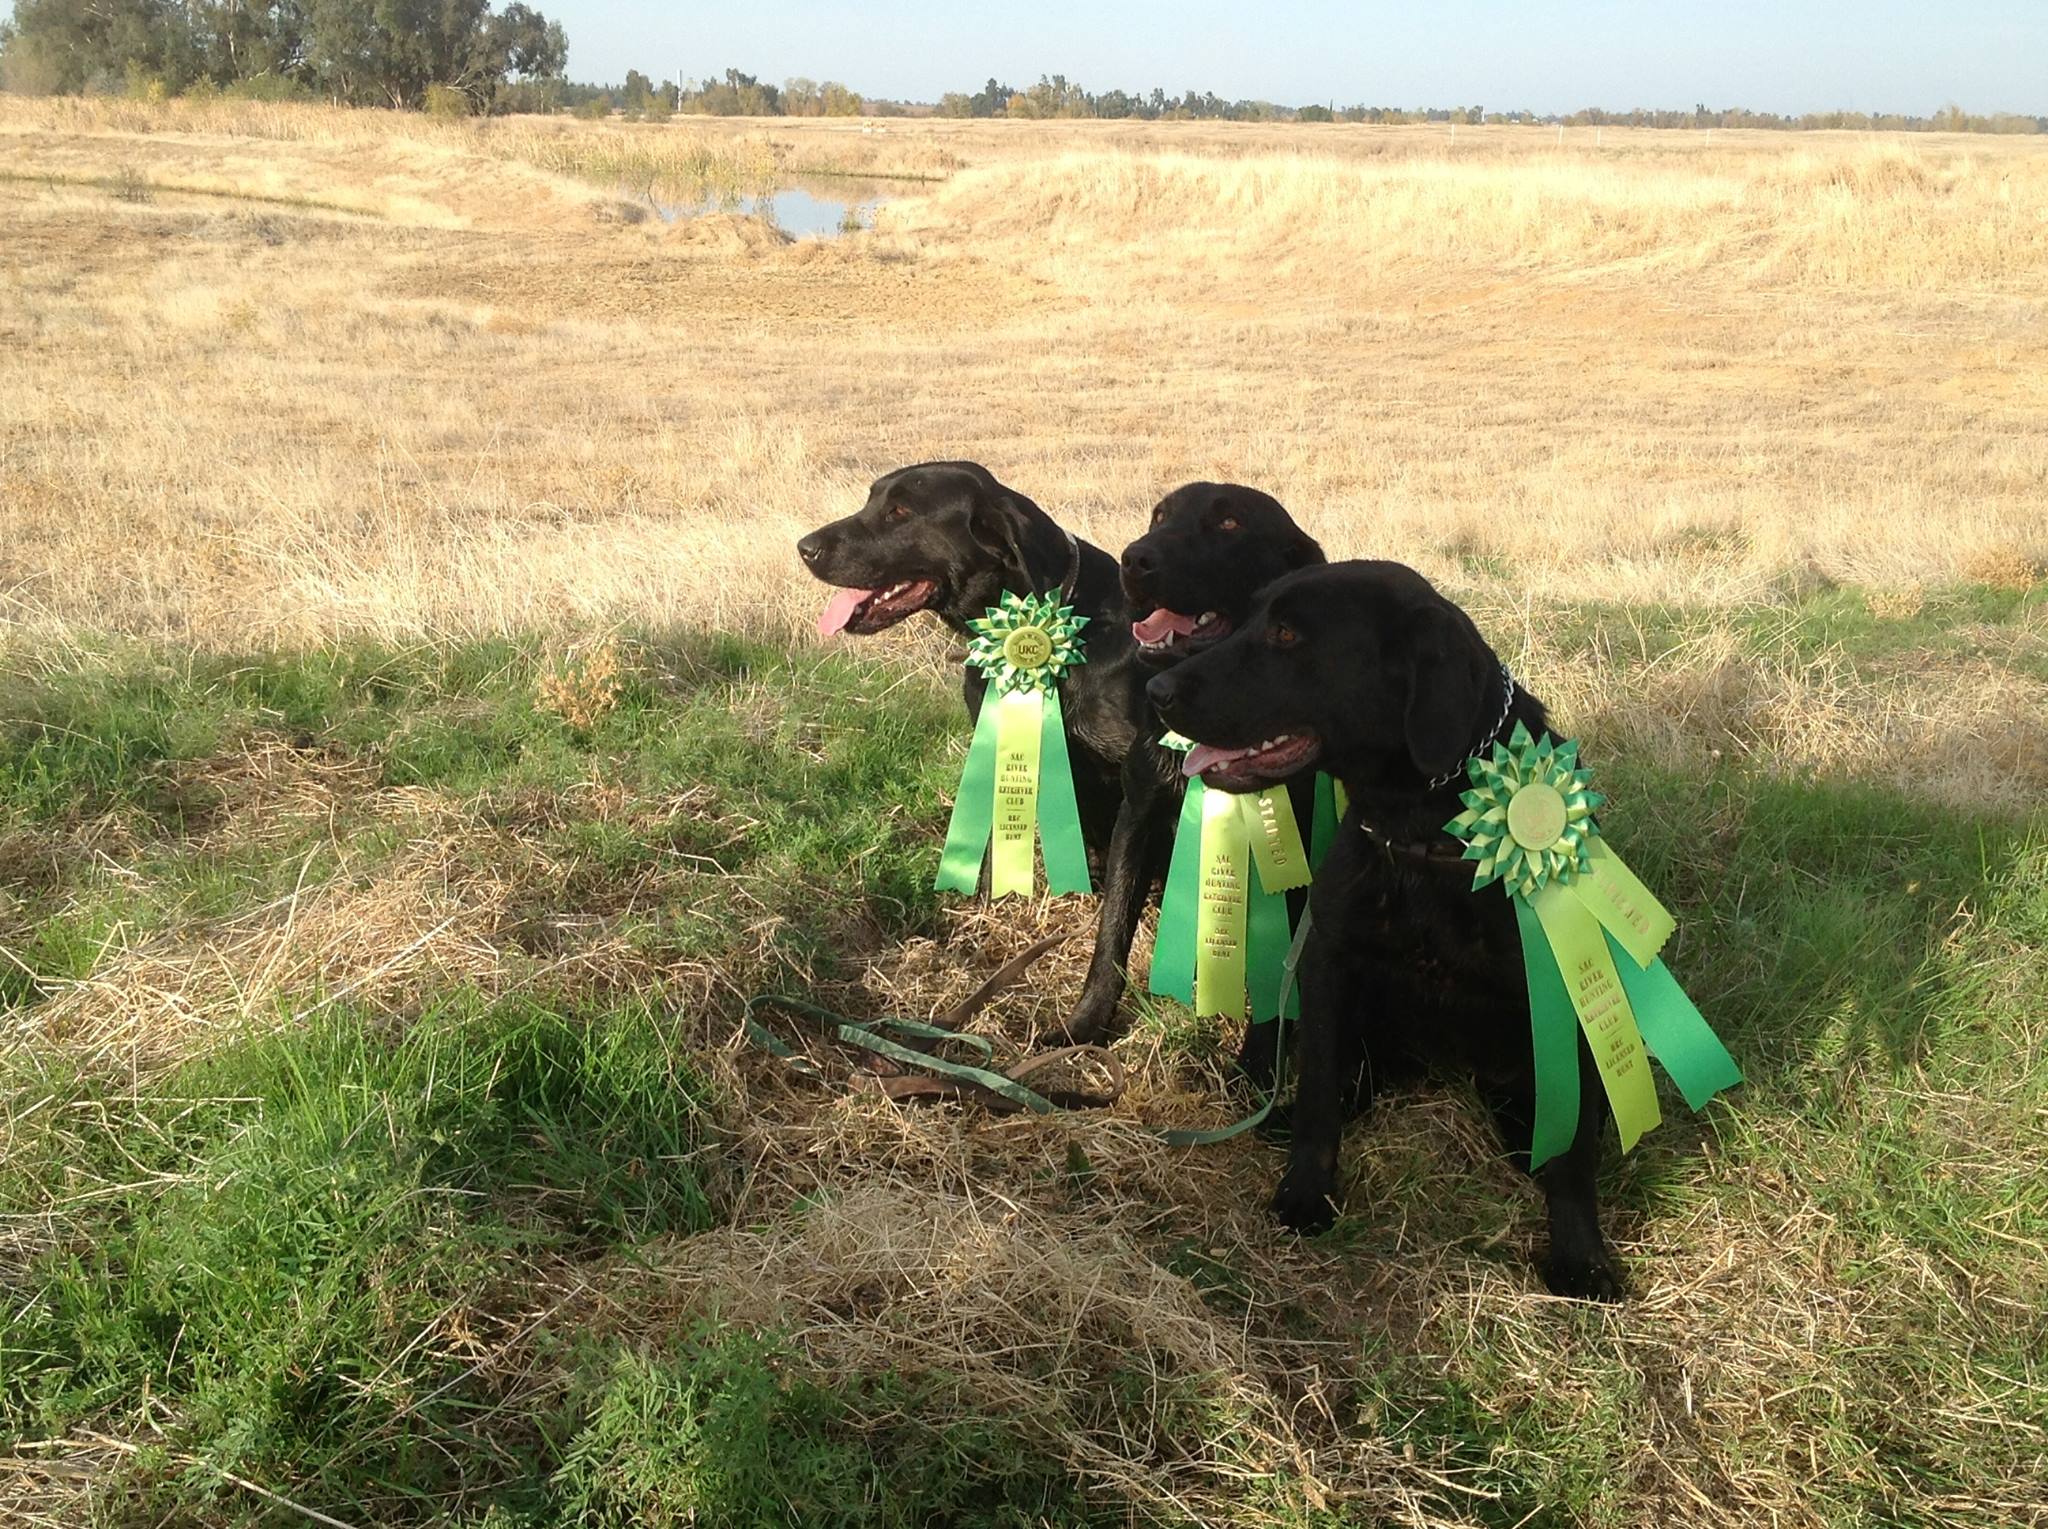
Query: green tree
{"type": "Point", "coordinates": [357, 51]}
{"type": "Point", "coordinates": [991, 100]}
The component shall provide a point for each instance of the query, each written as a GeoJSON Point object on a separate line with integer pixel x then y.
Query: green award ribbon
{"type": "Point", "coordinates": [1590, 937]}
{"type": "Point", "coordinates": [1222, 942]}
{"type": "Point", "coordinates": [1018, 783]}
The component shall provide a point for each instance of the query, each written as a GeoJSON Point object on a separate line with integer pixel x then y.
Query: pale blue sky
{"type": "Point", "coordinates": [1545, 55]}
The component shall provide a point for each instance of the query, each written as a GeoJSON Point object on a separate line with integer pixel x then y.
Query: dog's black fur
{"type": "Point", "coordinates": [1386, 684]}
{"type": "Point", "coordinates": [953, 527]}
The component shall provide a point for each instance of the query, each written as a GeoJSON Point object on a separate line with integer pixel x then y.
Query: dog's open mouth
{"type": "Point", "coordinates": [1241, 769]}
{"type": "Point", "coordinates": [1169, 632]}
{"type": "Point", "coordinates": [866, 611]}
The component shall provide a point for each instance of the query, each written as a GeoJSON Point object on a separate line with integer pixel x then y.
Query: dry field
{"type": "Point", "coordinates": [1737, 446]}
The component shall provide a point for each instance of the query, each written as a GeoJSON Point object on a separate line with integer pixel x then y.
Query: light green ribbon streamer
{"type": "Point", "coordinates": [1222, 907]}
{"type": "Point", "coordinates": [1593, 988]}
{"type": "Point", "coordinates": [1018, 718]}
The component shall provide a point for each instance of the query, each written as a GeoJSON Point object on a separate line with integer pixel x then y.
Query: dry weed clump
{"type": "Point", "coordinates": [1900, 604]}
{"type": "Point", "coordinates": [2003, 567]}
{"type": "Point", "coordinates": [581, 692]}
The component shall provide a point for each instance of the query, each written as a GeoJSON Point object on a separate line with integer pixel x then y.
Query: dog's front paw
{"type": "Point", "coordinates": [1584, 1277]}
{"type": "Point", "coordinates": [1093, 1020]}
{"type": "Point", "coordinates": [1306, 1202]}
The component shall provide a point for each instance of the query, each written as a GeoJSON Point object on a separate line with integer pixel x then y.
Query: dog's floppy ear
{"type": "Point", "coordinates": [1001, 521]}
{"type": "Point", "coordinates": [1302, 551]}
{"type": "Point", "coordinates": [1446, 675]}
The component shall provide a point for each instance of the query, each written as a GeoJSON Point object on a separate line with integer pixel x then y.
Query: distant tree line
{"type": "Point", "coordinates": [729, 93]}
{"type": "Point", "coordinates": [1057, 96]}
{"type": "Point", "coordinates": [361, 52]}
{"type": "Point", "coordinates": [461, 55]}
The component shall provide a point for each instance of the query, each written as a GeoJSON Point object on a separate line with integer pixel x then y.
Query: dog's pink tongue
{"type": "Point", "coordinates": [1202, 756]}
{"type": "Point", "coordinates": [839, 610]}
{"type": "Point", "coordinates": [1161, 624]}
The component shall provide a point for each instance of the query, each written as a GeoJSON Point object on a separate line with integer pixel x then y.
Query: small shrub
{"type": "Point", "coordinates": [2003, 566]}
{"type": "Point", "coordinates": [264, 87]}
{"type": "Point", "coordinates": [144, 86]}
{"type": "Point", "coordinates": [1897, 604]}
{"type": "Point", "coordinates": [581, 694]}
{"type": "Point", "coordinates": [446, 104]}
{"type": "Point", "coordinates": [594, 110]}
{"type": "Point", "coordinates": [130, 185]}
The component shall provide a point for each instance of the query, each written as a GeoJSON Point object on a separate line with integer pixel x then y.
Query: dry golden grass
{"type": "Point", "coordinates": [1673, 372]}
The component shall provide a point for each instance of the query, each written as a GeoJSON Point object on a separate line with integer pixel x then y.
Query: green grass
{"type": "Point", "coordinates": [338, 1248]}
{"type": "Point", "coordinates": [715, 1433]}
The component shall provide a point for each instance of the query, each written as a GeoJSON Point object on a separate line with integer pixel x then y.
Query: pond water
{"type": "Point", "coordinates": [803, 212]}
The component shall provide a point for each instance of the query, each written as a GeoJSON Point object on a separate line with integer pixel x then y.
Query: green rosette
{"type": "Point", "coordinates": [1224, 929]}
{"type": "Point", "coordinates": [1591, 933]}
{"type": "Point", "coordinates": [1017, 786]}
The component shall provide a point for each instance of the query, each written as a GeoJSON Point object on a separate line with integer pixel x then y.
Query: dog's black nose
{"type": "Point", "coordinates": [1140, 561]}
{"type": "Point", "coordinates": [1163, 691]}
{"type": "Point", "coordinates": [811, 548]}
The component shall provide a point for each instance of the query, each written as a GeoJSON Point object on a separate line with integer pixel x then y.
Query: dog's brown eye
{"type": "Point", "coordinates": [1227, 523]}
{"type": "Point", "coordinates": [1281, 635]}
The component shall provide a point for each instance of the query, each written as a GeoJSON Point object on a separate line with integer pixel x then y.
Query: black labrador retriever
{"type": "Point", "coordinates": [1365, 670]}
{"type": "Point", "coordinates": [949, 538]}
{"type": "Point", "coordinates": [1209, 550]}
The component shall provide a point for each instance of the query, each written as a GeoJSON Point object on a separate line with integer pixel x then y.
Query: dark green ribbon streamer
{"type": "Point", "coordinates": [1323, 826]}
{"type": "Point", "coordinates": [1674, 1030]}
{"type": "Point", "coordinates": [1059, 812]}
{"type": "Point", "coordinates": [1554, 1032]}
{"type": "Point", "coordinates": [973, 819]}
{"type": "Point", "coordinates": [1173, 946]}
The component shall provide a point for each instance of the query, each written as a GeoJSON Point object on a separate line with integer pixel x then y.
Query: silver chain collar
{"type": "Point", "coordinates": [1507, 704]}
